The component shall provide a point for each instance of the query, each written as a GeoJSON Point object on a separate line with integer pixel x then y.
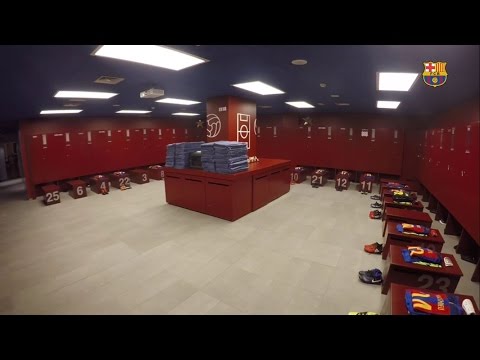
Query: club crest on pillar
{"type": "Point", "coordinates": [435, 73]}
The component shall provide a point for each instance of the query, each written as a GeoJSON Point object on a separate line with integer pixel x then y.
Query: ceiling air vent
{"type": "Point", "coordinates": [111, 80]}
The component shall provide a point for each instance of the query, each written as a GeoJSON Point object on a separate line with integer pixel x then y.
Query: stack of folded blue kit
{"type": "Point", "coordinates": [208, 152]}
{"type": "Point", "coordinates": [230, 157]}
{"type": "Point", "coordinates": [170, 158]}
{"type": "Point", "coordinates": [182, 153]}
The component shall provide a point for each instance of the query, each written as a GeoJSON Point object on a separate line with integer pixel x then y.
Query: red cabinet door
{"type": "Point", "coordinates": [37, 158]}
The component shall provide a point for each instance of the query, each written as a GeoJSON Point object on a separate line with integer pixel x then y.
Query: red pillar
{"type": "Point", "coordinates": [233, 119]}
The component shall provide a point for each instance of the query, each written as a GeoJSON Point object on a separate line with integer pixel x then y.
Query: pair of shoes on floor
{"type": "Point", "coordinates": [375, 197]}
{"type": "Point", "coordinates": [363, 192]}
{"type": "Point", "coordinates": [374, 248]}
{"type": "Point", "coordinates": [375, 214]}
{"type": "Point", "coordinates": [376, 205]}
{"type": "Point", "coordinates": [373, 276]}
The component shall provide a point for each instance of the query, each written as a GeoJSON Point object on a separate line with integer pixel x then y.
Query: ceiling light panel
{"type": "Point", "coordinates": [388, 81]}
{"type": "Point", "coordinates": [133, 112]}
{"type": "Point", "coordinates": [185, 114]}
{"type": "Point", "coordinates": [63, 111]}
{"type": "Point", "coordinates": [84, 95]}
{"type": "Point", "coordinates": [388, 104]}
{"type": "Point", "coordinates": [154, 55]}
{"type": "Point", "coordinates": [300, 104]}
{"type": "Point", "coordinates": [259, 87]}
{"type": "Point", "coordinates": [178, 101]}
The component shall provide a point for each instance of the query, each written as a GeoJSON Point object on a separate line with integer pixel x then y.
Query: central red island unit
{"type": "Point", "coordinates": [228, 196]}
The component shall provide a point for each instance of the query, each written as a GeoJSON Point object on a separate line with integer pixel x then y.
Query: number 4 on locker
{"type": "Point", "coordinates": [342, 181]}
{"type": "Point", "coordinates": [366, 183]}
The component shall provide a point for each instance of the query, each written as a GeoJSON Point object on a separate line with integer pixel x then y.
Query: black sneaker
{"type": "Point", "coordinates": [376, 205]}
{"type": "Point", "coordinates": [373, 276]}
{"type": "Point", "coordinates": [375, 197]}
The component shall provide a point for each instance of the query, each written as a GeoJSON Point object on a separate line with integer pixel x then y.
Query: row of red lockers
{"type": "Point", "coordinates": [448, 166]}
{"type": "Point", "coordinates": [59, 156]}
{"type": "Point", "coordinates": [377, 150]}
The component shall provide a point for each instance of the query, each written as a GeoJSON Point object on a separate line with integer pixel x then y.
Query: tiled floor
{"type": "Point", "coordinates": [131, 253]}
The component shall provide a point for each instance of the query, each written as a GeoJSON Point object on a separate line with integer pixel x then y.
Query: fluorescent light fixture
{"type": "Point", "coordinates": [64, 111]}
{"type": "Point", "coordinates": [133, 112]}
{"type": "Point", "coordinates": [300, 104]}
{"type": "Point", "coordinates": [388, 81]}
{"type": "Point", "coordinates": [388, 104]}
{"type": "Point", "coordinates": [185, 114]}
{"type": "Point", "coordinates": [177, 101]}
{"type": "Point", "coordinates": [84, 94]}
{"type": "Point", "coordinates": [155, 55]}
{"type": "Point", "coordinates": [259, 88]}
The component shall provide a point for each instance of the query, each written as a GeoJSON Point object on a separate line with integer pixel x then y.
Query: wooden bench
{"type": "Point", "coordinates": [319, 177]}
{"type": "Point", "coordinates": [397, 270]}
{"type": "Point", "coordinates": [395, 237]}
{"type": "Point", "coordinates": [406, 216]}
{"type": "Point", "coordinates": [156, 173]}
{"type": "Point", "coordinates": [299, 175]}
{"type": "Point", "coordinates": [99, 184]}
{"type": "Point", "coordinates": [51, 194]}
{"type": "Point", "coordinates": [139, 176]}
{"type": "Point", "coordinates": [78, 188]}
{"type": "Point", "coordinates": [395, 302]}
{"type": "Point", "coordinates": [119, 180]}
{"type": "Point", "coordinates": [412, 186]}
{"type": "Point", "coordinates": [388, 202]}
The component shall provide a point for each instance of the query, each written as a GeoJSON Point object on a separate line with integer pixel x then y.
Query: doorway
{"type": "Point", "coordinates": [9, 161]}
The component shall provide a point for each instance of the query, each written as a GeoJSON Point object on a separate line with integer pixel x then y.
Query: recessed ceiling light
{"type": "Point", "coordinates": [342, 104]}
{"type": "Point", "coordinates": [185, 114]}
{"type": "Point", "coordinates": [84, 94]}
{"type": "Point", "coordinates": [299, 104]}
{"type": "Point", "coordinates": [335, 96]}
{"type": "Point", "coordinates": [321, 104]}
{"type": "Point", "coordinates": [64, 111]}
{"type": "Point", "coordinates": [388, 104]}
{"type": "Point", "coordinates": [395, 81]}
{"type": "Point", "coordinates": [155, 55]}
{"type": "Point", "coordinates": [264, 106]}
{"type": "Point", "coordinates": [133, 112]}
{"type": "Point", "coordinates": [323, 85]}
{"type": "Point", "coordinates": [299, 62]}
{"type": "Point", "coordinates": [259, 88]}
{"type": "Point", "coordinates": [177, 101]}
{"type": "Point", "coordinates": [116, 105]}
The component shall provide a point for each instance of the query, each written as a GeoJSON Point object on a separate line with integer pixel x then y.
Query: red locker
{"type": "Point", "coordinates": [37, 158]}
{"type": "Point", "coordinates": [340, 148]}
{"type": "Point", "coordinates": [101, 151]}
{"type": "Point", "coordinates": [81, 155]}
{"type": "Point", "coordinates": [160, 146]}
{"type": "Point", "coordinates": [56, 159]}
{"type": "Point", "coordinates": [321, 147]}
{"type": "Point", "coordinates": [149, 140]}
{"type": "Point", "coordinates": [360, 152]}
{"type": "Point", "coordinates": [119, 147]}
{"type": "Point", "coordinates": [135, 152]}
{"type": "Point", "coordinates": [265, 142]}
